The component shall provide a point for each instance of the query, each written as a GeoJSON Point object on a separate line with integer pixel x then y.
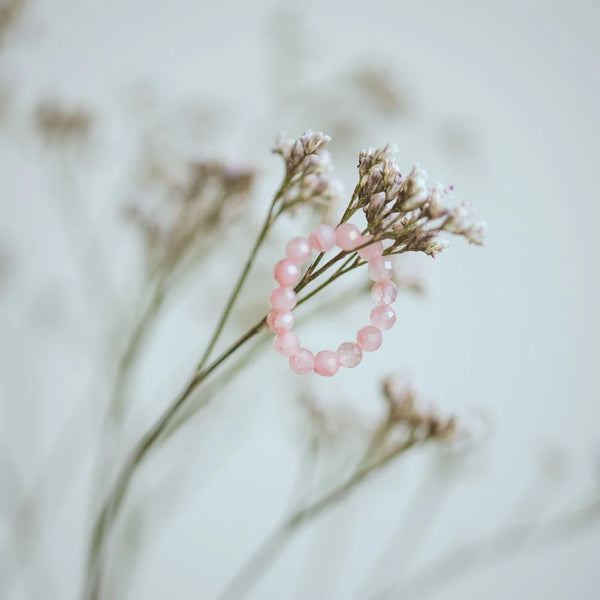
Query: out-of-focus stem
{"type": "Point", "coordinates": [133, 346]}
{"type": "Point", "coordinates": [227, 375]}
{"type": "Point", "coordinates": [253, 569]}
{"type": "Point", "coordinates": [115, 499]}
{"type": "Point", "coordinates": [111, 506]}
{"type": "Point", "coordinates": [268, 223]}
{"type": "Point", "coordinates": [461, 560]}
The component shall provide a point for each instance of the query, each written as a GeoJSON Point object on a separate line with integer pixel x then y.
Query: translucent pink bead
{"type": "Point", "coordinates": [298, 249]}
{"type": "Point", "coordinates": [280, 321]}
{"type": "Point", "coordinates": [350, 354]}
{"type": "Point", "coordinates": [283, 298]}
{"type": "Point", "coordinates": [286, 343]}
{"type": "Point", "coordinates": [384, 292]}
{"type": "Point", "coordinates": [383, 317]}
{"type": "Point", "coordinates": [369, 338]}
{"type": "Point", "coordinates": [347, 236]}
{"type": "Point", "coordinates": [322, 238]}
{"type": "Point", "coordinates": [302, 361]}
{"type": "Point", "coordinates": [327, 363]}
{"type": "Point", "coordinates": [380, 269]}
{"type": "Point", "coordinates": [372, 250]}
{"type": "Point", "coordinates": [287, 272]}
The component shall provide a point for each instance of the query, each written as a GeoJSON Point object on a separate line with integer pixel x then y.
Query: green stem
{"type": "Point", "coordinates": [133, 346]}
{"type": "Point", "coordinates": [337, 274]}
{"type": "Point", "coordinates": [115, 499]}
{"type": "Point", "coordinates": [268, 223]}
{"type": "Point", "coordinates": [113, 503]}
{"type": "Point", "coordinates": [251, 571]}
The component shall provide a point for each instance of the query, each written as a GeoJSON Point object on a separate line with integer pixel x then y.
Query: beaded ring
{"type": "Point", "coordinates": [283, 299]}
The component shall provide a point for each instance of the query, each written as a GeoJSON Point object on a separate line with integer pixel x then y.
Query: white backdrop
{"type": "Point", "coordinates": [502, 102]}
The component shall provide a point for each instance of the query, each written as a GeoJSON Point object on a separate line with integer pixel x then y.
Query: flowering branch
{"type": "Point", "coordinates": [404, 427]}
{"type": "Point", "coordinates": [403, 215]}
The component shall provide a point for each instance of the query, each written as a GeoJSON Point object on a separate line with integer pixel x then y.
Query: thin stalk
{"type": "Point", "coordinates": [258, 563]}
{"type": "Point", "coordinates": [134, 344]}
{"type": "Point", "coordinates": [113, 503]}
{"type": "Point", "coordinates": [268, 223]}
{"type": "Point", "coordinates": [115, 499]}
{"type": "Point", "coordinates": [351, 208]}
{"type": "Point", "coordinates": [160, 281]}
{"type": "Point", "coordinates": [227, 375]}
{"type": "Point", "coordinates": [463, 559]}
{"type": "Point", "coordinates": [328, 281]}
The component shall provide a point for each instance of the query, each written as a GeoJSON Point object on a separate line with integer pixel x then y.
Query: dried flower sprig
{"type": "Point", "coordinates": [180, 211]}
{"type": "Point", "coordinates": [419, 427]}
{"type": "Point", "coordinates": [304, 159]}
{"type": "Point", "coordinates": [175, 208]}
{"type": "Point", "coordinates": [59, 123]}
{"type": "Point", "coordinates": [407, 410]}
{"type": "Point", "coordinates": [10, 10]}
{"type": "Point", "coordinates": [404, 210]}
{"type": "Point", "coordinates": [404, 204]}
{"type": "Point", "coordinates": [307, 164]}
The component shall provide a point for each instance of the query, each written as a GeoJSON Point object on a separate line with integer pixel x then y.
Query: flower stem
{"type": "Point", "coordinates": [116, 497]}
{"type": "Point", "coordinates": [258, 563]}
{"type": "Point", "coordinates": [268, 223]}
{"type": "Point", "coordinates": [114, 501]}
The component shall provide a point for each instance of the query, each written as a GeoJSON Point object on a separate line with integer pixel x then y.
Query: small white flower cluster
{"type": "Point", "coordinates": [376, 158]}
{"type": "Point", "coordinates": [405, 210]}
{"type": "Point", "coordinates": [308, 164]}
{"type": "Point", "coordinates": [460, 222]}
{"type": "Point", "coordinates": [305, 154]}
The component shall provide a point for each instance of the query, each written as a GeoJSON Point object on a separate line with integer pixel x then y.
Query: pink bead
{"type": "Point", "coordinates": [327, 363]}
{"type": "Point", "coordinates": [369, 338]}
{"type": "Point", "coordinates": [283, 298]}
{"type": "Point", "coordinates": [380, 269]}
{"type": "Point", "coordinates": [384, 292]}
{"type": "Point", "coordinates": [302, 361]}
{"type": "Point", "coordinates": [286, 343]}
{"type": "Point", "coordinates": [298, 249]}
{"type": "Point", "coordinates": [287, 272]}
{"type": "Point", "coordinates": [350, 354]}
{"type": "Point", "coordinates": [280, 321]}
{"type": "Point", "coordinates": [347, 236]}
{"type": "Point", "coordinates": [383, 317]}
{"type": "Point", "coordinates": [372, 250]}
{"type": "Point", "coordinates": [322, 238]}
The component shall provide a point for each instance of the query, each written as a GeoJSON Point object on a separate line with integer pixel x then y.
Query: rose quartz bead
{"type": "Point", "coordinates": [327, 363]}
{"type": "Point", "coordinates": [287, 272]}
{"type": "Point", "coordinates": [372, 250]}
{"type": "Point", "coordinates": [286, 343]}
{"type": "Point", "coordinates": [384, 292]}
{"type": "Point", "coordinates": [298, 249]}
{"type": "Point", "coordinates": [280, 321]}
{"type": "Point", "coordinates": [350, 354]}
{"type": "Point", "coordinates": [283, 298]}
{"type": "Point", "coordinates": [302, 361]}
{"type": "Point", "coordinates": [347, 236]}
{"type": "Point", "coordinates": [369, 338]}
{"type": "Point", "coordinates": [380, 269]}
{"type": "Point", "coordinates": [322, 238]}
{"type": "Point", "coordinates": [383, 317]}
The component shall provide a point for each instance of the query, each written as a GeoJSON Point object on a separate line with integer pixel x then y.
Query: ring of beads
{"type": "Point", "coordinates": [283, 300]}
